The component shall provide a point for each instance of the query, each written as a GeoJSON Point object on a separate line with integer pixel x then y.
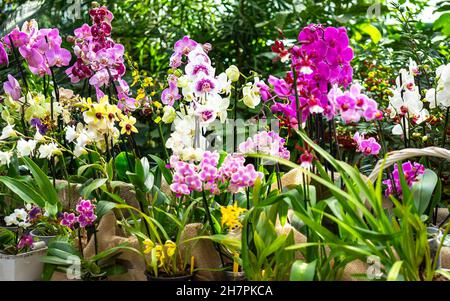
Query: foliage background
{"type": "Point", "coordinates": [241, 31]}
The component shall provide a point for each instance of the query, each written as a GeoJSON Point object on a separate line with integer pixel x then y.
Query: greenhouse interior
{"type": "Point", "coordinates": [232, 141]}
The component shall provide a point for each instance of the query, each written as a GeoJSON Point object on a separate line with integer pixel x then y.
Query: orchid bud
{"type": "Point", "coordinates": [207, 47]}
{"type": "Point", "coordinates": [233, 73]}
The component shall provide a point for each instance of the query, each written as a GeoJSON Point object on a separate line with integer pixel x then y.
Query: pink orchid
{"type": "Point", "coordinates": [58, 57]}
{"type": "Point", "coordinates": [3, 55]}
{"type": "Point", "coordinates": [366, 146]}
{"type": "Point", "coordinates": [17, 37]}
{"type": "Point", "coordinates": [32, 55]}
{"type": "Point", "coordinates": [185, 45]}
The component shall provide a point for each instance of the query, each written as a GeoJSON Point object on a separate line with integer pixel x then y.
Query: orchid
{"type": "Point", "coordinates": [47, 151]}
{"type": "Point", "coordinates": [207, 175]}
{"type": "Point", "coordinates": [5, 158]}
{"type": "Point", "coordinates": [25, 147]}
{"type": "Point", "coordinates": [352, 105]}
{"type": "Point", "coordinates": [12, 88]}
{"type": "Point", "coordinates": [203, 96]}
{"type": "Point", "coordinates": [41, 48]}
{"type": "Point", "coordinates": [8, 131]}
{"type": "Point", "coordinates": [440, 96]}
{"type": "Point", "coordinates": [127, 125]}
{"type": "Point", "coordinates": [405, 101]}
{"type": "Point", "coordinates": [268, 143]}
{"type": "Point", "coordinates": [3, 55]}
{"type": "Point", "coordinates": [366, 146]}
{"type": "Point", "coordinates": [322, 60]}
{"type": "Point", "coordinates": [412, 173]}
{"type": "Point", "coordinates": [26, 241]}
{"type": "Point", "coordinates": [100, 58]}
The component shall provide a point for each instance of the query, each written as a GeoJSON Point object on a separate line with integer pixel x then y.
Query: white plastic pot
{"type": "Point", "coordinates": [22, 267]}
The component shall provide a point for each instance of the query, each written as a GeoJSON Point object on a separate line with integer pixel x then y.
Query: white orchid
{"type": "Point", "coordinates": [71, 133]}
{"type": "Point", "coordinates": [169, 114]}
{"type": "Point", "coordinates": [25, 148]}
{"type": "Point", "coordinates": [251, 94]}
{"type": "Point", "coordinates": [5, 158]}
{"type": "Point", "coordinates": [47, 151]}
{"type": "Point", "coordinates": [440, 96]}
{"type": "Point", "coordinates": [8, 131]}
{"type": "Point", "coordinates": [18, 218]}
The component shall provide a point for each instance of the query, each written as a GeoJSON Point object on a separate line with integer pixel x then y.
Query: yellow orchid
{"type": "Point", "coordinates": [149, 245]}
{"type": "Point", "coordinates": [140, 94]}
{"type": "Point", "coordinates": [170, 248]}
{"type": "Point", "coordinates": [148, 82]}
{"type": "Point", "coordinates": [159, 254]}
{"type": "Point", "coordinates": [127, 125]}
{"type": "Point", "coordinates": [136, 77]}
{"type": "Point", "coordinates": [230, 216]}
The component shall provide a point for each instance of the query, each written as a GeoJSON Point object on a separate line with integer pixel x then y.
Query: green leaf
{"type": "Point", "coordinates": [423, 190]}
{"type": "Point", "coordinates": [162, 167]}
{"type": "Point", "coordinates": [43, 182]}
{"type": "Point", "coordinates": [124, 162]}
{"type": "Point", "coordinates": [394, 271]}
{"type": "Point", "coordinates": [84, 168]}
{"type": "Point", "coordinates": [372, 31]}
{"type": "Point", "coordinates": [104, 207]}
{"type": "Point", "coordinates": [24, 191]}
{"type": "Point", "coordinates": [302, 271]}
{"type": "Point", "coordinates": [443, 23]}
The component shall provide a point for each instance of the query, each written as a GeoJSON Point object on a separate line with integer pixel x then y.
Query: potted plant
{"type": "Point", "coordinates": [46, 228]}
{"type": "Point", "coordinates": [19, 254]}
{"type": "Point", "coordinates": [66, 253]}
{"type": "Point", "coordinates": [166, 256]}
{"type": "Point", "coordinates": [63, 256]}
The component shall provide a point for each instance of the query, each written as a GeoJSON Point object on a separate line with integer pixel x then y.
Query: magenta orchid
{"type": "Point", "coordinates": [322, 59]}
{"type": "Point", "coordinates": [26, 241]}
{"type": "Point", "coordinates": [85, 215]}
{"type": "Point", "coordinates": [412, 172]}
{"type": "Point", "coordinates": [68, 220]}
{"type": "Point", "coordinates": [352, 105]}
{"type": "Point", "coordinates": [366, 146]}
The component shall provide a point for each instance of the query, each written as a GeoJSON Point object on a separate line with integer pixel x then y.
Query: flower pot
{"type": "Point", "coordinates": [43, 238]}
{"type": "Point", "coordinates": [231, 276]}
{"type": "Point", "coordinates": [434, 240]}
{"type": "Point", "coordinates": [22, 267]}
{"type": "Point", "coordinates": [169, 278]}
